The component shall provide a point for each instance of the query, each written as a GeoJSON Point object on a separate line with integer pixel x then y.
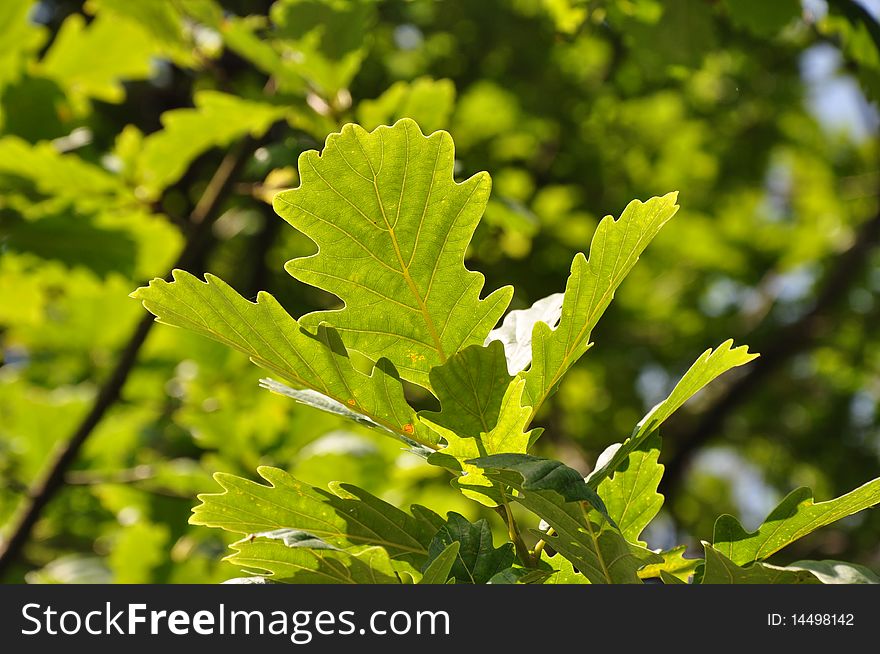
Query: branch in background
{"type": "Point", "coordinates": [258, 277]}
{"type": "Point", "coordinates": [787, 342]}
{"type": "Point", "coordinates": [198, 240]}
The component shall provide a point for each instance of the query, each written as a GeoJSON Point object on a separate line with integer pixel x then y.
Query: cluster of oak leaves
{"type": "Point", "coordinates": [392, 228]}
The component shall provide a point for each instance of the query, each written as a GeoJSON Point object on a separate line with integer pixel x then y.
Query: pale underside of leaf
{"type": "Point", "coordinates": [516, 329]}
{"type": "Point", "coordinates": [837, 572]}
{"type": "Point", "coordinates": [392, 228]}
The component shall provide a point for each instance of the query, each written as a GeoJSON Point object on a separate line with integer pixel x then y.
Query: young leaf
{"type": "Point", "coordinates": [721, 570]}
{"type": "Point", "coordinates": [274, 340]}
{"type": "Point", "coordinates": [630, 494]}
{"type": "Point", "coordinates": [795, 517]}
{"type": "Point", "coordinates": [477, 560]}
{"type": "Point", "coordinates": [470, 386]}
{"type": "Point", "coordinates": [616, 247]}
{"type": "Point", "coordinates": [507, 435]}
{"type": "Point", "coordinates": [674, 565]}
{"type": "Point", "coordinates": [392, 227]}
{"type": "Point", "coordinates": [298, 565]}
{"type": "Point", "coordinates": [710, 364]}
{"type": "Point", "coordinates": [437, 571]}
{"type": "Point", "coordinates": [246, 507]}
{"type": "Point", "coordinates": [516, 330]}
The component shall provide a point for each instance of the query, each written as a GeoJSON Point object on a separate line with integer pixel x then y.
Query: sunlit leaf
{"type": "Point", "coordinates": [275, 341]}
{"type": "Point", "coordinates": [710, 364]}
{"type": "Point", "coordinates": [217, 120]}
{"type": "Point", "coordinates": [427, 101]}
{"type": "Point", "coordinates": [615, 249]}
{"type": "Point", "coordinates": [795, 517]}
{"type": "Point", "coordinates": [507, 435]}
{"type": "Point", "coordinates": [392, 227]}
{"type": "Point", "coordinates": [288, 510]}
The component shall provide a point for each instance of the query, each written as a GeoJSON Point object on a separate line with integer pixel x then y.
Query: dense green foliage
{"type": "Point", "coordinates": [131, 130]}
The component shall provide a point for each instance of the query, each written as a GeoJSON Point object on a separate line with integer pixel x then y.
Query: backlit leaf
{"type": "Point", "coordinates": [795, 517]}
{"type": "Point", "coordinates": [289, 510]}
{"type": "Point", "coordinates": [392, 227]}
{"type": "Point", "coordinates": [275, 341]}
{"type": "Point", "coordinates": [615, 249]}
{"type": "Point", "coordinates": [437, 571]}
{"type": "Point", "coordinates": [710, 364]}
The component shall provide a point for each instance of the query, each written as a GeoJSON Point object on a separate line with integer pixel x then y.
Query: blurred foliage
{"type": "Point", "coordinates": [115, 114]}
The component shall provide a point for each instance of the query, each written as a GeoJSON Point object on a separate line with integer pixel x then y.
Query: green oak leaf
{"type": "Point", "coordinates": [592, 544]}
{"type": "Point", "coordinates": [323, 41]}
{"type": "Point", "coordinates": [615, 249]}
{"type": "Point", "coordinates": [217, 120]}
{"type": "Point", "coordinates": [91, 60]}
{"type": "Point", "coordinates": [564, 572]}
{"type": "Point", "coordinates": [837, 572]}
{"type": "Point", "coordinates": [544, 474]}
{"type": "Point", "coordinates": [346, 518]}
{"type": "Point", "coordinates": [507, 435]}
{"type": "Point", "coordinates": [721, 570]}
{"type": "Point", "coordinates": [796, 516]}
{"type": "Point", "coordinates": [392, 227]}
{"type": "Point", "coordinates": [274, 340]}
{"type": "Point", "coordinates": [674, 565]}
{"type": "Point", "coordinates": [471, 387]}
{"type": "Point", "coordinates": [297, 565]}
{"type": "Point", "coordinates": [478, 560]}
{"type": "Point", "coordinates": [427, 101]}
{"type": "Point", "coordinates": [709, 365]}
{"type": "Point", "coordinates": [671, 579]}
{"type": "Point", "coordinates": [437, 571]}
{"type": "Point", "coordinates": [630, 493]}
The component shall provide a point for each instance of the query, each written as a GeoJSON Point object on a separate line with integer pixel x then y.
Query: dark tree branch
{"type": "Point", "coordinates": [787, 342]}
{"type": "Point", "coordinates": [198, 240]}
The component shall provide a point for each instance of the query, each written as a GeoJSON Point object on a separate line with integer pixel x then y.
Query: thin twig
{"type": "Point", "coordinates": [47, 485]}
